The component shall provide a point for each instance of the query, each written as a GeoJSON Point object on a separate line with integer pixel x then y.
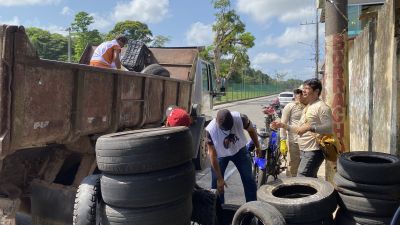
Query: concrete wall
{"type": "Point", "coordinates": [373, 86]}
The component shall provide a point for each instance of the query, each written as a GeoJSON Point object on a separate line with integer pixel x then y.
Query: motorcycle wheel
{"type": "Point", "coordinates": [262, 177]}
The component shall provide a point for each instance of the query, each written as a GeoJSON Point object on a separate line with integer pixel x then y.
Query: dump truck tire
{"type": "Point", "coordinates": [368, 207]}
{"type": "Point", "coordinates": [144, 150]}
{"type": "Point", "coordinates": [264, 212]}
{"type": "Point", "coordinates": [384, 192]}
{"type": "Point", "coordinates": [201, 161]}
{"type": "Point", "coordinates": [87, 202]}
{"type": "Point", "coordinates": [155, 188]}
{"type": "Point", "coordinates": [176, 213]}
{"type": "Point", "coordinates": [346, 218]}
{"type": "Point", "coordinates": [369, 167]}
{"type": "Point", "coordinates": [300, 199]}
{"type": "Point", "coordinates": [156, 69]}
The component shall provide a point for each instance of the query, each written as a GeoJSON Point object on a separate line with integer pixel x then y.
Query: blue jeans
{"type": "Point", "coordinates": [310, 161]}
{"type": "Point", "coordinates": [243, 163]}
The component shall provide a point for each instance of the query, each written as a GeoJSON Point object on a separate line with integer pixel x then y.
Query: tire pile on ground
{"type": "Point", "coordinates": [301, 200]}
{"type": "Point", "coordinates": [368, 184]}
{"type": "Point", "coordinates": [148, 176]}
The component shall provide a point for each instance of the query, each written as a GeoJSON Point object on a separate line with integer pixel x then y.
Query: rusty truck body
{"type": "Point", "coordinates": [52, 112]}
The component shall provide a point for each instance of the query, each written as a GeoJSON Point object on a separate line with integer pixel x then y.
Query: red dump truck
{"type": "Point", "coordinates": [52, 112]}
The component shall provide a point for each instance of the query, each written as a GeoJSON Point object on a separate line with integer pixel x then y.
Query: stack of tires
{"type": "Point", "coordinates": [368, 184]}
{"type": "Point", "coordinates": [148, 176]}
{"type": "Point", "coordinates": [301, 200]}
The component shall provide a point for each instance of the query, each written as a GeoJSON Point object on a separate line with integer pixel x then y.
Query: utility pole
{"type": "Point", "coordinates": [336, 72]}
{"type": "Point", "coordinates": [316, 23]}
{"type": "Point", "coordinates": [69, 44]}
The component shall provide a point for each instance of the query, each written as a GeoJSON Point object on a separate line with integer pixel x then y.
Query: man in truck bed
{"type": "Point", "coordinates": [107, 54]}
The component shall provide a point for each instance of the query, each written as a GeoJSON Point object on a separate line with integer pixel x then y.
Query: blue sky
{"type": "Point", "coordinates": [282, 45]}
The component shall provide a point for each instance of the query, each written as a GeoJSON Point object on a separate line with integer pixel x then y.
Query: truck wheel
{"type": "Point", "coordinates": [175, 213]}
{"type": "Point", "coordinates": [155, 188]}
{"type": "Point", "coordinates": [265, 213]}
{"type": "Point", "coordinates": [201, 161]}
{"type": "Point", "coordinates": [300, 199]}
{"type": "Point", "coordinates": [369, 167]}
{"type": "Point", "coordinates": [156, 69]}
{"type": "Point", "coordinates": [145, 150]}
{"type": "Point", "coordinates": [87, 202]}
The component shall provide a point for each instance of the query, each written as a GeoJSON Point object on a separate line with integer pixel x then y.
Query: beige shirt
{"type": "Point", "coordinates": [319, 115]}
{"type": "Point", "coordinates": [291, 115]}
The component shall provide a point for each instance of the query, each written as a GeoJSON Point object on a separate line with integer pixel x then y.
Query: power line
{"type": "Point", "coordinates": [316, 41]}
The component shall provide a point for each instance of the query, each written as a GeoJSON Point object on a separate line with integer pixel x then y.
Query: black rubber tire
{"type": "Point", "coordinates": [300, 199]}
{"type": "Point", "coordinates": [226, 213]}
{"type": "Point", "coordinates": [369, 167]}
{"type": "Point", "coordinates": [175, 213]}
{"type": "Point", "coordinates": [156, 69]}
{"type": "Point", "coordinates": [385, 192]}
{"type": "Point", "coordinates": [264, 212]}
{"type": "Point", "coordinates": [204, 204]}
{"type": "Point", "coordinates": [368, 207]}
{"type": "Point", "coordinates": [202, 161]}
{"type": "Point", "coordinates": [261, 177]}
{"type": "Point", "coordinates": [346, 218]}
{"type": "Point", "coordinates": [155, 188]}
{"type": "Point", "coordinates": [144, 150]}
{"type": "Point", "coordinates": [326, 221]}
{"type": "Point", "coordinates": [88, 198]}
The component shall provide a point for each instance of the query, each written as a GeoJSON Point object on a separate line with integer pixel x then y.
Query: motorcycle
{"type": "Point", "coordinates": [269, 163]}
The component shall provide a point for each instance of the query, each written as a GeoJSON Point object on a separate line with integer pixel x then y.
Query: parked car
{"type": "Point", "coordinates": [285, 98]}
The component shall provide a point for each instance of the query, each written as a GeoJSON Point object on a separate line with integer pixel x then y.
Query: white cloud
{"type": "Point", "coordinates": [67, 11]}
{"type": "Point", "coordinates": [101, 23]}
{"type": "Point", "coordinates": [268, 58]}
{"type": "Point", "coordinates": [199, 34]}
{"type": "Point", "coordinates": [27, 2]}
{"type": "Point", "coordinates": [301, 14]}
{"type": "Point", "coordinates": [14, 21]}
{"type": "Point", "coordinates": [146, 11]}
{"type": "Point", "coordinates": [285, 10]}
{"type": "Point", "coordinates": [292, 36]}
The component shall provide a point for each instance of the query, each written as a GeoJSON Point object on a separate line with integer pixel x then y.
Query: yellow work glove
{"type": "Point", "coordinates": [283, 147]}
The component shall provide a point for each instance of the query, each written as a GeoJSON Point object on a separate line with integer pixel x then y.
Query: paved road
{"type": "Point", "coordinates": [252, 108]}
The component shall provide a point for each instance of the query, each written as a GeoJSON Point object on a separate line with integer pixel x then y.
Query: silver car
{"type": "Point", "coordinates": [285, 98]}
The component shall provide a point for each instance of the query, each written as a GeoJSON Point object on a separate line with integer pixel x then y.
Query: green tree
{"type": "Point", "coordinates": [159, 41]}
{"type": "Point", "coordinates": [83, 35]}
{"type": "Point", "coordinates": [132, 30]}
{"type": "Point", "coordinates": [231, 39]}
{"type": "Point", "coordinates": [49, 46]}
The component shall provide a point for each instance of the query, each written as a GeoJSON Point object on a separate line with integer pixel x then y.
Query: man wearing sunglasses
{"type": "Point", "coordinates": [227, 142]}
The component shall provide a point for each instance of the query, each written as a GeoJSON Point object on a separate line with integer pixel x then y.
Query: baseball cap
{"type": "Point", "coordinates": [298, 90]}
{"type": "Point", "coordinates": [178, 117]}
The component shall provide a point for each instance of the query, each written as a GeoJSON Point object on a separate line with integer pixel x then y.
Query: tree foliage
{"type": "Point", "coordinates": [231, 39]}
{"type": "Point", "coordinates": [49, 46]}
{"type": "Point", "coordinates": [159, 41]}
{"type": "Point", "coordinates": [132, 30]}
{"type": "Point", "coordinates": [83, 35]}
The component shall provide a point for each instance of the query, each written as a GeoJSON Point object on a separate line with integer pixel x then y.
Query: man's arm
{"type": "Point", "coordinates": [253, 135]}
{"type": "Point", "coordinates": [117, 61]}
{"type": "Point", "coordinates": [325, 116]}
{"type": "Point", "coordinates": [212, 153]}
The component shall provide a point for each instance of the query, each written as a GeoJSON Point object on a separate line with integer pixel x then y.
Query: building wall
{"type": "Point", "coordinates": [373, 86]}
{"type": "Point", "coordinates": [360, 95]}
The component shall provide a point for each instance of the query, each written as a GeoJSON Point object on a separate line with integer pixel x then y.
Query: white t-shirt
{"type": "Point", "coordinates": [236, 142]}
